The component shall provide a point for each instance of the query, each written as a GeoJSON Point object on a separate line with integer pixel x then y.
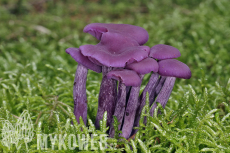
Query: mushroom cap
{"type": "Point", "coordinates": [128, 77]}
{"type": "Point", "coordinates": [139, 34]}
{"type": "Point", "coordinates": [174, 68]}
{"type": "Point", "coordinates": [145, 66]}
{"type": "Point", "coordinates": [78, 57]}
{"type": "Point", "coordinates": [115, 50]}
{"type": "Point", "coordinates": [162, 51]}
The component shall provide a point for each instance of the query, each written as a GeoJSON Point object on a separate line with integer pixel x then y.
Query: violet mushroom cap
{"type": "Point", "coordinates": [137, 33]}
{"type": "Point", "coordinates": [78, 57]}
{"type": "Point", "coordinates": [115, 50]}
{"type": "Point", "coordinates": [170, 69]}
{"type": "Point", "coordinates": [145, 66]}
{"type": "Point", "coordinates": [162, 51]}
{"type": "Point", "coordinates": [125, 78]}
{"type": "Point", "coordinates": [174, 68]}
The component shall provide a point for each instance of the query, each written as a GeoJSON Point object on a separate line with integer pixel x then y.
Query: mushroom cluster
{"type": "Point", "coordinates": [123, 61]}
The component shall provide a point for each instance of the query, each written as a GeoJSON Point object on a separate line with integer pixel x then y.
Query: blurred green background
{"type": "Point", "coordinates": [199, 29]}
{"type": "Point", "coordinates": [36, 74]}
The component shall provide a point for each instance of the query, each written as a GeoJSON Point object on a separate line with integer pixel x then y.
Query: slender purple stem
{"type": "Point", "coordinates": [156, 89]}
{"type": "Point", "coordinates": [149, 88]}
{"type": "Point", "coordinates": [130, 111]}
{"type": "Point", "coordinates": [164, 94]}
{"type": "Point", "coordinates": [79, 93]}
{"type": "Point", "coordinates": [120, 107]}
{"type": "Point", "coordinates": [107, 98]}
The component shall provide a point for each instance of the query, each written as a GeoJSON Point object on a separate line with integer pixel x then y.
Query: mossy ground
{"type": "Point", "coordinates": [37, 75]}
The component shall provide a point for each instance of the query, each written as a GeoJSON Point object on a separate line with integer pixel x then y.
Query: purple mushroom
{"type": "Point", "coordinates": [125, 78]}
{"type": "Point", "coordinates": [162, 51]}
{"type": "Point", "coordinates": [113, 51]}
{"type": "Point", "coordinates": [143, 67]}
{"type": "Point", "coordinates": [122, 59]}
{"type": "Point", "coordinates": [170, 69]}
{"type": "Point", "coordinates": [79, 88]}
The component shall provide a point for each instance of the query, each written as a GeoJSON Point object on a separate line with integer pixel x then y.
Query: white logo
{"type": "Point", "coordinates": [71, 142]}
{"type": "Point", "coordinates": [18, 133]}
{"type": "Point", "coordinates": [21, 132]}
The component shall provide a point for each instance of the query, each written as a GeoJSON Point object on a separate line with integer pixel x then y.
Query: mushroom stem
{"type": "Point", "coordinates": [79, 93]}
{"type": "Point", "coordinates": [130, 111]}
{"type": "Point", "coordinates": [156, 89]}
{"type": "Point", "coordinates": [107, 97]}
{"type": "Point", "coordinates": [164, 94]}
{"type": "Point", "coordinates": [120, 108]}
{"type": "Point", "coordinates": [149, 88]}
